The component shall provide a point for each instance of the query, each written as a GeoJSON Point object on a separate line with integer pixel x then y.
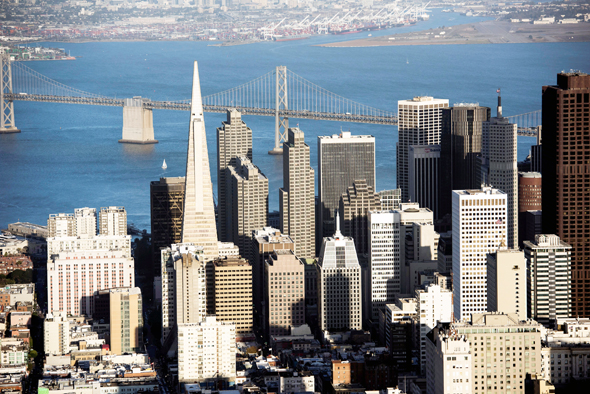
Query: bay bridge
{"type": "Point", "coordinates": [279, 93]}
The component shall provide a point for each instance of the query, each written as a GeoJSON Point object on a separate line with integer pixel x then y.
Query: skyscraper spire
{"type": "Point", "coordinates": [198, 223]}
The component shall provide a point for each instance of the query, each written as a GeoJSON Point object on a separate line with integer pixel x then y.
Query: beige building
{"type": "Point", "coordinates": [297, 196]}
{"type": "Point", "coordinates": [230, 293]}
{"type": "Point", "coordinates": [448, 363]}
{"type": "Point", "coordinates": [285, 295]}
{"type": "Point", "coordinates": [507, 282]}
{"type": "Point", "coordinates": [113, 221]}
{"type": "Point", "coordinates": [247, 203]}
{"type": "Point", "coordinates": [355, 205]}
{"type": "Point", "coordinates": [234, 139]}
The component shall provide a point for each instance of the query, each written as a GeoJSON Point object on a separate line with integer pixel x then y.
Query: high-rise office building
{"type": "Point", "coordinates": [297, 196]}
{"type": "Point", "coordinates": [529, 199]}
{"type": "Point", "coordinates": [419, 123]}
{"type": "Point", "coordinates": [423, 177]}
{"type": "Point", "coordinates": [339, 284]}
{"type": "Point", "coordinates": [122, 309]}
{"type": "Point", "coordinates": [537, 153]}
{"type": "Point", "coordinates": [342, 159]}
{"type": "Point", "coordinates": [566, 147]}
{"type": "Point", "coordinates": [461, 137]}
{"type": "Point", "coordinates": [198, 222]}
{"type": "Point", "coordinates": [479, 227]}
{"type": "Point", "coordinates": [113, 221]}
{"type": "Point", "coordinates": [355, 205]}
{"type": "Point", "coordinates": [285, 292]}
{"type": "Point", "coordinates": [506, 282]}
{"type": "Point", "coordinates": [246, 196]}
{"type": "Point", "coordinates": [549, 265]}
{"type": "Point", "coordinates": [234, 139]}
{"type": "Point", "coordinates": [166, 205]}
{"type": "Point", "coordinates": [498, 166]}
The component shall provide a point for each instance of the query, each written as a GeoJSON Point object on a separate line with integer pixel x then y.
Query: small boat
{"type": "Point", "coordinates": [407, 61]}
{"type": "Point", "coordinates": [164, 166]}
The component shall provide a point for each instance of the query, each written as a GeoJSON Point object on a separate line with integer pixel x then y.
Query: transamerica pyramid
{"type": "Point", "coordinates": [198, 222]}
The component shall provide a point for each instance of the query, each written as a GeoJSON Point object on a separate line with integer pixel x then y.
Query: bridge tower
{"type": "Point", "coordinates": [138, 122]}
{"type": "Point", "coordinates": [6, 105]}
{"type": "Point", "coordinates": [281, 103]}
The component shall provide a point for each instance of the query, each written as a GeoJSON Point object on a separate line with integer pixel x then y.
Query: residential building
{"type": "Point", "coordinates": [355, 205]}
{"type": "Point", "coordinates": [234, 139]}
{"type": "Point", "coordinates": [61, 225]}
{"type": "Point", "coordinates": [566, 108]}
{"type": "Point", "coordinates": [419, 123]}
{"type": "Point", "coordinates": [548, 261]}
{"type": "Point", "coordinates": [390, 199]}
{"type": "Point", "coordinates": [297, 196]}
{"type": "Point", "coordinates": [499, 166]}
{"type": "Point", "coordinates": [479, 226]}
{"type": "Point", "coordinates": [449, 363]}
{"type": "Point", "coordinates": [86, 222]}
{"type": "Point", "coordinates": [507, 282]}
{"type": "Point", "coordinates": [423, 176]}
{"type": "Point", "coordinates": [56, 333]}
{"type": "Point", "coordinates": [296, 382]}
{"type": "Point", "coordinates": [339, 284]}
{"type": "Point", "coordinates": [342, 159]}
{"type": "Point", "coordinates": [113, 221]}
{"type": "Point", "coordinates": [207, 351]}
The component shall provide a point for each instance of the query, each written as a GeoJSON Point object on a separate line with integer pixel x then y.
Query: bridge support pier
{"type": "Point", "coordinates": [138, 123]}
{"type": "Point", "coordinates": [7, 125]}
{"type": "Point", "coordinates": [281, 102]}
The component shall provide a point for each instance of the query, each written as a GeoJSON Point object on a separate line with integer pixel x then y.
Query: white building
{"type": "Point", "coordinates": [206, 350]}
{"type": "Point", "coordinates": [86, 222]}
{"type": "Point", "coordinates": [448, 366]}
{"type": "Point", "coordinates": [100, 242]}
{"type": "Point", "coordinates": [296, 382]}
{"type": "Point", "coordinates": [549, 264]}
{"type": "Point", "coordinates": [113, 221]}
{"type": "Point", "coordinates": [56, 333]}
{"type": "Point", "coordinates": [433, 305]}
{"type": "Point", "coordinates": [507, 283]}
{"type": "Point", "coordinates": [479, 226]}
{"type": "Point", "coordinates": [339, 287]}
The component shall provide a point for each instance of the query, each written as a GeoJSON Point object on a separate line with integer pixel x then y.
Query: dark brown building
{"type": "Point", "coordinates": [529, 199]}
{"type": "Point", "coordinates": [566, 176]}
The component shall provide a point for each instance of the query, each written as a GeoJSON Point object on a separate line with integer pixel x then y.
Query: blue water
{"type": "Point", "coordinates": [67, 156]}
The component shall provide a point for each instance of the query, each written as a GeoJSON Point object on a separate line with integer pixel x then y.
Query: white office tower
{"type": "Point", "coordinates": [499, 167]}
{"type": "Point", "coordinates": [419, 123]}
{"type": "Point", "coordinates": [339, 284]}
{"type": "Point", "coordinates": [207, 351]}
{"type": "Point", "coordinates": [507, 282]}
{"type": "Point", "coordinates": [434, 305]}
{"type": "Point", "coordinates": [184, 288]}
{"type": "Point", "coordinates": [198, 221]}
{"type": "Point", "coordinates": [113, 221]}
{"type": "Point", "coordinates": [56, 333]}
{"type": "Point", "coordinates": [86, 222]}
{"type": "Point", "coordinates": [479, 226]}
{"type": "Point", "coordinates": [549, 264]}
{"type": "Point", "coordinates": [448, 364]}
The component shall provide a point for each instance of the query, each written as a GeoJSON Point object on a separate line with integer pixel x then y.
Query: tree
{"type": "Point", "coordinates": [33, 354]}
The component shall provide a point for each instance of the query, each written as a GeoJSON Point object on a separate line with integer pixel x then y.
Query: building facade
{"type": "Point", "coordinates": [423, 176]}
{"type": "Point", "coordinates": [529, 199]}
{"type": "Point", "coordinates": [507, 282]}
{"type": "Point", "coordinates": [112, 221]}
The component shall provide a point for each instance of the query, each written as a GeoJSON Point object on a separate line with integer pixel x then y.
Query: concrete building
{"type": "Point", "coordinates": [566, 109]}
{"type": "Point", "coordinates": [342, 159]}
{"type": "Point", "coordinates": [507, 282]}
{"type": "Point", "coordinates": [449, 363]}
{"type": "Point", "coordinates": [24, 293]}
{"type": "Point", "coordinates": [85, 222]}
{"type": "Point", "coordinates": [423, 176]}
{"type": "Point", "coordinates": [123, 310]}
{"type": "Point", "coordinates": [548, 261]}
{"type": "Point", "coordinates": [479, 226]}
{"type": "Point", "coordinates": [390, 199]}
{"type": "Point", "coordinates": [100, 242]}
{"type": "Point", "coordinates": [207, 351]}
{"type": "Point", "coordinates": [419, 123]}
{"type": "Point", "coordinates": [296, 382]}
{"type": "Point", "coordinates": [56, 333]}
{"type": "Point", "coordinates": [297, 196]}
{"type": "Point", "coordinates": [339, 284]}
{"type": "Point", "coordinates": [246, 196]}
{"type": "Point", "coordinates": [112, 221]}
{"type": "Point", "coordinates": [264, 242]}
{"type": "Point", "coordinates": [529, 199]}
{"type": "Point", "coordinates": [355, 205]}
{"type": "Point", "coordinates": [460, 147]}
{"type": "Point", "coordinates": [285, 294]}
{"type": "Point", "coordinates": [166, 207]}
{"type": "Point", "coordinates": [61, 225]}
{"type": "Point", "coordinates": [198, 222]}
{"type": "Point", "coordinates": [234, 139]}
{"type": "Point", "coordinates": [499, 167]}
{"type": "Point", "coordinates": [230, 291]}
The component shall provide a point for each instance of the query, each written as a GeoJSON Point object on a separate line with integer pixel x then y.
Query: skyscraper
{"type": "Point", "coordinates": [566, 180]}
{"type": "Point", "coordinates": [479, 226]}
{"type": "Point", "coordinates": [530, 187]}
{"type": "Point", "coordinates": [419, 123]}
{"type": "Point", "coordinates": [198, 222]}
{"type": "Point", "coordinates": [297, 196]}
{"type": "Point", "coordinates": [498, 166]}
{"type": "Point", "coordinates": [342, 159]}
{"type": "Point", "coordinates": [460, 147]}
{"type": "Point", "coordinates": [339, 287]}
{"type": "Point", "coordinates": [506, 282]}
{"type": "Point", "coordinates": [234, 139]}
{"type": "Point", "coordinates": [423, 177]}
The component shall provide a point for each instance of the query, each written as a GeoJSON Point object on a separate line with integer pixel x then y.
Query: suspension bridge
{"type": "Point", "coordinates": [279, 93]}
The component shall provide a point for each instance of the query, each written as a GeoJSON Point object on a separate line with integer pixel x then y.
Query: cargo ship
{"type": "Point", "coordinates": [291, 38]}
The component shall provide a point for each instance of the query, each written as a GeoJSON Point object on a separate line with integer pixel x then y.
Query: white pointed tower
{"type": "Point", "coordinates": [198, 223]}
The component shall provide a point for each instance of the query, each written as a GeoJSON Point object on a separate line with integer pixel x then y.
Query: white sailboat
{"type": "Point", "coordinates": [164, 166]}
